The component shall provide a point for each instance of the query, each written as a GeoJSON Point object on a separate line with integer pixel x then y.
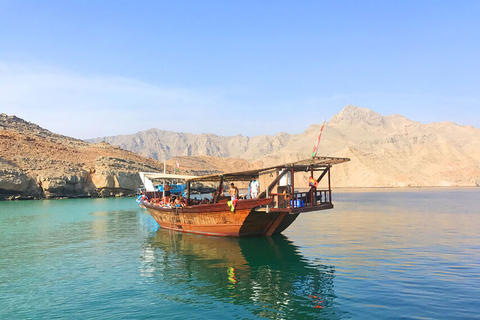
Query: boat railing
{"type": "Point", "coordinates": [304, 199]}
{"type": "Point", "coordinates": [280, 200]}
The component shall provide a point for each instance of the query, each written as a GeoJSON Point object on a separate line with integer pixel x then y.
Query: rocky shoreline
{"type": "Point", "coordinates": [38, 164]}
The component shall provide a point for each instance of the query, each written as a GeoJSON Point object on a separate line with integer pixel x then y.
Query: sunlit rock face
{"type": "Point", "coordinates": [36, 163]}
{"type": "Point", "coordinates": [386, 151]}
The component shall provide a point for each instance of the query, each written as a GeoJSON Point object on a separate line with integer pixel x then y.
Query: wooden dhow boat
{"type": "Point", "coordinates": [270, 212]}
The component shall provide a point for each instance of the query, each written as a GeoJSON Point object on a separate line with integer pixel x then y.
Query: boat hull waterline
{"type": "Point", "coordinates": [248, 219]}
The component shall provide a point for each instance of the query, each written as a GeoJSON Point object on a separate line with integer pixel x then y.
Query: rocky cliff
{"type": "Point", "coordinates": [36, 163]}
{"type": "Point", "coordinates": [386, 151]}
{"type": "Point", "coordinates": [159, 144]}
{"type": "Point", "coordinates": [393, 151]}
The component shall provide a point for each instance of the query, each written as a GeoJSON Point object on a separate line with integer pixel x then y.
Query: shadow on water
{"type": "Point", "coordinates": [266, 276]}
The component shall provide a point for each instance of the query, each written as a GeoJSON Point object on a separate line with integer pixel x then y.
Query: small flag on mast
{"type": "Point", "coordinates": [315, 149]}
{"type": "Point", "coordinates": [177, 167]}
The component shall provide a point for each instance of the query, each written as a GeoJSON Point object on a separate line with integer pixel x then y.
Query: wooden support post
{"type": "Point", "coordinates": [188, 193]}
{"type": "Point", "coordinates": [292, 191]}
{"type": "Point", "coordinates": [329, 186]}
{"type": "Point", "coordinates": [218, 190]}
{"type": "Point", "coordinates": [323, 174]}
{"type": "Point", "coordinates": [270, 187]}
{"type": "Point", "coordinates": [312, 190]}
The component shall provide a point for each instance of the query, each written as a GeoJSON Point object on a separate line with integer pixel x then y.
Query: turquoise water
{"type": "Point", "coordinates": [410, 254]}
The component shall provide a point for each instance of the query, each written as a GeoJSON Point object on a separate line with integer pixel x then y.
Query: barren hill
{"type": "Point", "coordinates": [159, 144]}
{"type": "Point", "coordinates": [386, 151]}
{"type": "Point", "coordinates": [36, 163]}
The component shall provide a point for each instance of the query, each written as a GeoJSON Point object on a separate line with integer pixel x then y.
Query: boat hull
{"type": "Point", "coordinates": [247, 220]}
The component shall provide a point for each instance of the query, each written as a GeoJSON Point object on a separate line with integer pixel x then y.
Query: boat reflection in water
{"type": "Point", "coordinates": [268, 276]}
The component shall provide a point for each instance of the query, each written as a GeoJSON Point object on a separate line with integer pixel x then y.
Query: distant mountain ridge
{"type": "Point", "coordinates": [160, 144]}
{"type": "Point", "coordinates": [386, 151]}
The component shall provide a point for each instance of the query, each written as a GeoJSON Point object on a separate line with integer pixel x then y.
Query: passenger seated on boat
{"type": "Point", "coordinates": [181, 199]}
{"type": "Point", "coordinates": [204, 201]}
{"type": "Point", "coordinates": [179, 202]}
{"type": "Point", "coordinates": [166, 205]}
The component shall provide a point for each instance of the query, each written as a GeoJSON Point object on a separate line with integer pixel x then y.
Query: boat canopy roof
{"type": "Point", "coordinates": [318, 163]}
{"type": "Point", "coordinates": [166, 176]}
{"type": "Point", "coordinates": [147, 178]}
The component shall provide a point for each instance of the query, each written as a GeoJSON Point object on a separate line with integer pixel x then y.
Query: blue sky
{"type": "Point", "coordinates": [97, 68]}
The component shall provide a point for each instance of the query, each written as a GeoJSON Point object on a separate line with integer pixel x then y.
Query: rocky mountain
{"type": "Point", "coordinates": [159, 144]}
{"type": "Point", "coordinates": [393, 151]}
{"type": "Point", "coordinates": [36, 163]}
{"type": "Point", "coordinates": [385, 151]}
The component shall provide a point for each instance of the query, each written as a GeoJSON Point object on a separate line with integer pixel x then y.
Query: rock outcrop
{"type": "Point", "coordinates": [36, 164]}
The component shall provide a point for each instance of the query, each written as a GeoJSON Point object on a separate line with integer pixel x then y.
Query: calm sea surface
{"type": "Point", "coordinates": [409, 254]}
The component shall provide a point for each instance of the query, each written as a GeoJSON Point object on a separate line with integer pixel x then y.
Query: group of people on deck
{"type": "Point", "coordinates": [173, 202]}
{"type": "Point", "coordinates": [168, 200]}
{"type": "Point", "coordinates": [179, 201]}
{"type": "Point", "coordinates": [253, 189]}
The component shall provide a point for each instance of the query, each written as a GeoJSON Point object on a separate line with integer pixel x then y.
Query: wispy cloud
{"type": "Point", "coordinates": [84, 106]}
{"type": "Point", "coordinates": [90, 106]}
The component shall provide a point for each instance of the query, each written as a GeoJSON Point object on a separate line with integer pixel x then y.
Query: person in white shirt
{"type": "Point", "coordinates": [254, 188]}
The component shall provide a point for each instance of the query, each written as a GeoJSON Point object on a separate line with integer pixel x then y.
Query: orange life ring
{"type": "Point", "coordinates": [313, 182]}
